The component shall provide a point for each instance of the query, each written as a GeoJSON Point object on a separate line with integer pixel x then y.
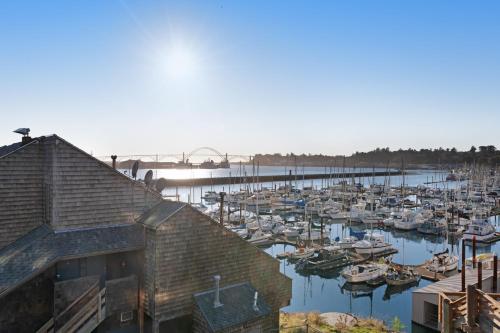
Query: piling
{"type": "Point", "coordinates": [474, 252]}
{"type": "Point", "coordinates": [222, 207]}
{"type": "Point", "coordinates": [463, 266]}
{"type": "Point", "coordinates": [495, 273]}
{"type": "Point", "coordinates": [480, 275]}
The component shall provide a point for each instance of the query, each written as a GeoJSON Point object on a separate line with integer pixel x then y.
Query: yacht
{"type": "Point", "coordinates": [364, 272]}
{"type": "Point", "coordinates": [481, 229]}
{"type": "Point", "coordinates": [410, 221]}
{"type": "Point", "coordinates": [260, 238]}
{"type": "Point", "coordinates": [372, 244]}
{"type": "Point", "coordinates": [443, 262]}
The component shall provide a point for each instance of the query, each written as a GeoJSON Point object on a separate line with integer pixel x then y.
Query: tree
{"type": "Point", "coordinates": [472, 149]}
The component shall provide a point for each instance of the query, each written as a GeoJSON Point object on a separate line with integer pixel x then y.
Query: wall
{"type": "Point", "coordinates": [86, 193]}
{"type": "Point", "coordinates": [21, 192]}
{"type": "Point", "coordinates": [190, 249]}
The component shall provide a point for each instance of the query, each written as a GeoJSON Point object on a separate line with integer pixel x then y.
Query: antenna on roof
{"type": "Point", "coordinates": [135, 167]}
{"type": "Point", "coordinates": [23, 131]}
{"type": "Point", "coordinates": [161, 184]}
{"type": "Point", "coordinates": [148, 178]}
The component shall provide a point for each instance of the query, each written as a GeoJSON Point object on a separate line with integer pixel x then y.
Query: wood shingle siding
{"type": "Point", "coordinates": [51, 181]}
{"type": "Point", "coordinates": [21, 192]}
{"type": "Point", "coordinates": [193, 248]}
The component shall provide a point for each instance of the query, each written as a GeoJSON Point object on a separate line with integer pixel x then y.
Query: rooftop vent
{"type": "Point", "coordinates": [255, 298]}
{"type": "Point", "coordinates": [217, 302]}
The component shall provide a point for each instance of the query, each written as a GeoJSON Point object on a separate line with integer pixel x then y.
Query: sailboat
{"type": "Point", "coordinates": [364, 272]}
{"type": "Point", "coordinates": [443, 262]}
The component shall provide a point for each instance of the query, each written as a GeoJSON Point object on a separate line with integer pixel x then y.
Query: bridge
{"type": "Point", "coordinates": [202, 153]}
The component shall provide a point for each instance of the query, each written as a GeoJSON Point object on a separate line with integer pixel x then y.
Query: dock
{"type": "Point", "coordinates": [273, 178]}
{"type": "Point", "coordinates": [427, 274]}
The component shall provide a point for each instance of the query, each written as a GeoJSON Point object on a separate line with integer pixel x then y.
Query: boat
{"type": "Point", "coordinates": [260, 238]}
{"type": "Point", "coordinates": [328, 258]}
{"type": "Point", "coordinates": [481, 229]}
{"type": "Point", "coordinates": [364, 272]}
{"type": "Point", "coordinates": [301, 253]}
{"type": "Point", "coordinates": [487, 260]}
{"type": "Point", "coordinates": [372, 244]}
{"type": "Point", "coordinates": [410, 221]}
{"type": "Point", "coordinates": [347, 242]}
{"type": "Point", "coordinates": [401, 276]}
{"type": "Point", "coordinates": [442, 262]}
{"type": "Point", "coordinates": [433, 227]}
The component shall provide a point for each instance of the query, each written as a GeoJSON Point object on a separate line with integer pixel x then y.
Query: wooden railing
{"type": "Point", "coordinates": [471, 311]}
{"type": "Point", "coordinates": [83, 315]}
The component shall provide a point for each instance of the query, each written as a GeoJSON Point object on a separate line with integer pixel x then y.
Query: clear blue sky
{"type": "Point", "coordinates": [251, 76]}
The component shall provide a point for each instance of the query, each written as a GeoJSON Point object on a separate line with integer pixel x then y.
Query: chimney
{"type": "Point", "coordinates": [255, 298]}
{"type": "Point", "coordinates": [113, 159]}
{"type": "Point", "coordinates": [25, 133]}
{"type": "Point", "coordinates": [217, 302]}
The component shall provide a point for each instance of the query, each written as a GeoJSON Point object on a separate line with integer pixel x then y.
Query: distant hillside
{"type": "Point", "coordinates": [384, 157]}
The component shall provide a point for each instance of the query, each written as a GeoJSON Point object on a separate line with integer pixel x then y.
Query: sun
{"type": "Point", "coordinates": [181, 61]}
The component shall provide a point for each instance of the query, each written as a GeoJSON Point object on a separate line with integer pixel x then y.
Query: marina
{"type": "Point", "coordinates": [317, 262]}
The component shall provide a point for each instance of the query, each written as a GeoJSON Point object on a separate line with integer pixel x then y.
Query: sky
{"type": "Point", "coordinates": [261, 76]}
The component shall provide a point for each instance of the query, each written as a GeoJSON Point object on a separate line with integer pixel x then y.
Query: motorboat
{"type": "Point", "coordinates": [433, 226]}
{"type": "Point", "coordinates": [400, 277]}
{"type": "Point", "coordinates": [481, 229]}
{"type": "Point", "coordinates": [372, 244]}
{"type": "Point", "coordinates": [364, 272]}
{"type": "Point", "coordinates": [443, 262]}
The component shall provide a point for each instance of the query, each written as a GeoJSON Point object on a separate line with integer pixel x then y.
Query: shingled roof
{"type": "Point", "coordinates": [5, 150]}
{"type": "Point", "coordinates": [161, 212]}
{"type": "Point", "coordinates": [237, 308]}
{"type": "Point", "coordinates": [42, 247]}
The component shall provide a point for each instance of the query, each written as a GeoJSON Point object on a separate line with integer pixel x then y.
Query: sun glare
{"type": "Point", "coordinates": [182, 62]}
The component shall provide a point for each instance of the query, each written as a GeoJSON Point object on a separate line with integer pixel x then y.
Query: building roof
{"type": "Point", "coordinates": [5, 150]}
{"type": "Point", "coordinates": [161, 212]}
{"type": "Point", "coordinates": [42, 247]}
{"type": "Point", "coordinates": [237, 308]}
{"type": "Point", "coordinates": [454, 283]}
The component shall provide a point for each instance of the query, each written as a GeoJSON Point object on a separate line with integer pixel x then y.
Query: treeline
{"type": "Point", "coordinates": [384, 157]}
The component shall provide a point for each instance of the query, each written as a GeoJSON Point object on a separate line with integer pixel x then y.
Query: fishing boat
{"type": "Point", "coordinates": [364, 272]}
{"type": "Point", "coordinates": [442, 262]}
{"type": "Point", "coordinates": [481, 229]}
{"type": "Point", "coordinates": [401, 277]}
{"type": "Point", "coordinates": [301, 253]}
{"type": "Point", "coordinates": [328, 258]}
{"type": "Point", "coordinates": [389, 222]}
{"type": "Point", "coordinates": [433, 227]}
{"type": "Point", "coordinates": [260, 238]}
{"type": "Point", "coordinates": [372, 244]}
{"type": "Point", "coordinates": [410, 221]}
{"type": "Point", "coordinates": [347, 242]}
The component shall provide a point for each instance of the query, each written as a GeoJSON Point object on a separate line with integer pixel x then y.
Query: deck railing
{"type": "Point", "coordinates": [470, 311]}
{"type": "Point", "coordinates": [83, 315]}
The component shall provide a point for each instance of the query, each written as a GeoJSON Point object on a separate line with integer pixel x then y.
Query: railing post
{"type": "Point", "coordinates": [463, 266]}
{"type": "Point", "coordinates": [471, 299]}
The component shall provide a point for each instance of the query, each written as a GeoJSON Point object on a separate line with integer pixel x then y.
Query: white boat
{"type": "Point", "coordinates": [481, 229]}
{"type": "Point", "coordinates": [364, 272]}
{"type": "Point", "coordinates": [259, 237]}
{"type": "Point", "coordinates": [314, 235]}
{"type": "Point", "coordinates": [302, 252]}
{"type": "Point", "coordinates": [409, 221]}
{"type": "Point", "coordinates": [372, 244]}
{"type": "Point", "coordinates": [395, 216]}
{"type": "Point", "coordinates": [372, 218]}
{"type": "Point", "coordinates": [347, 242]}
{"type": "Point", "coordinates": [292, 231]}
{"type": "Point", "coordinates": [442, 262]}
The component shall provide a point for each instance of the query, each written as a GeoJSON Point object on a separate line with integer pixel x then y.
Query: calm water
{"type": "Point", "coordinates": [194, 194]}
{"type": "Point", "coordinates": [326, 293]}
